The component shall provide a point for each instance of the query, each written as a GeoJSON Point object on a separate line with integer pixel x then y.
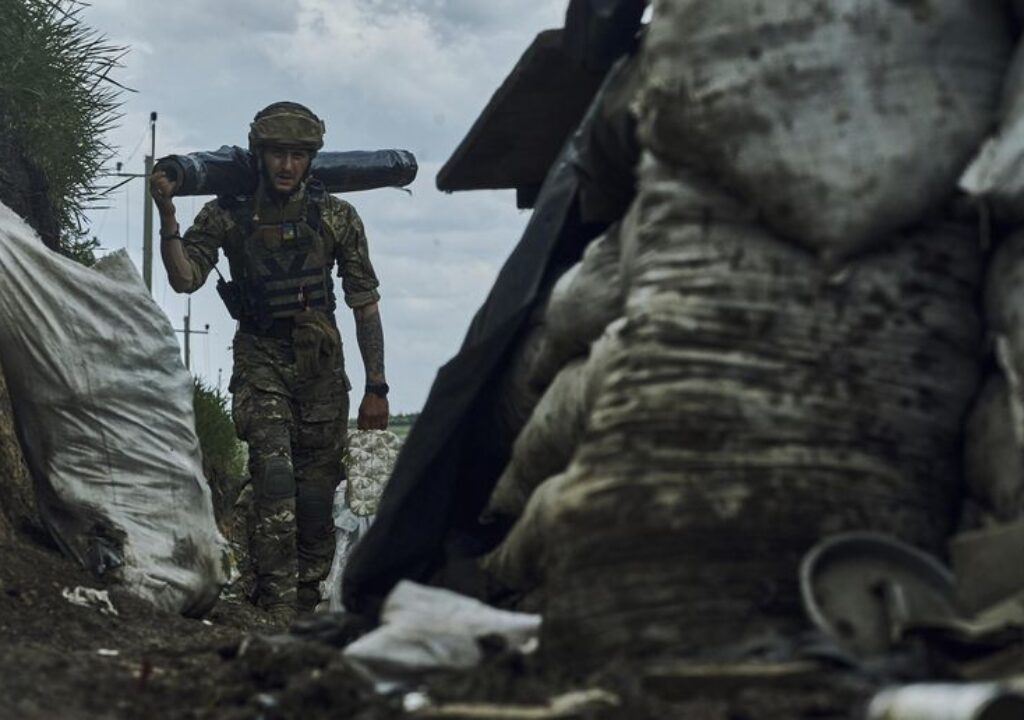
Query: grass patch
{"type": "Point", "coordinates": [58, 99]}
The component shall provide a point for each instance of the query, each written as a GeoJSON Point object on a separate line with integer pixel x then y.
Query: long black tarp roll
{"type": "Point", "coordinates": [231, 170]}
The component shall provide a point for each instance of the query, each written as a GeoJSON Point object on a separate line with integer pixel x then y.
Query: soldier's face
{"type": "Point", "coordinates": [285, 167]}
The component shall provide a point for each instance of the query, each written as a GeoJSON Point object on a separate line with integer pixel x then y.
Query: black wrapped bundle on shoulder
{"type": "Point", "coordinates": [231, 170]}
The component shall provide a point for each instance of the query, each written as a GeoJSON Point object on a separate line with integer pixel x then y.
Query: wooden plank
{"type": "Point", "coordinates": [518, 135]}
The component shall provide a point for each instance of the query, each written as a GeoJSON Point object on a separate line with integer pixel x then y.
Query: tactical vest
{"type": "Point", "coordinates": [280, 257]}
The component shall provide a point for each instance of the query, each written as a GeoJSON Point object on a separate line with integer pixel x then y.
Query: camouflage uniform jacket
{"type": "Point", "coordinates": [340, 223]}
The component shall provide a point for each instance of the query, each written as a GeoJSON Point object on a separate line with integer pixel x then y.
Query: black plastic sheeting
{"type": "Point", "coordinates": [598, 32]}
{"type": "Point", "coordinates": [428, 515]}
{"type": "Point", "coordinates": [231, 170]}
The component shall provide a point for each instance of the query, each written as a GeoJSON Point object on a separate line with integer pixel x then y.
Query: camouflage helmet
{"type": "Point", "coordinates": [286, 124]}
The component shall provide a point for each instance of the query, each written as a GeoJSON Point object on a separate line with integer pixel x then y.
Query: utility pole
{"type": "Point", "coordinates": [147, 208]}
{"type": "Point", "coordinates": [189, 332]}
{"type": "Point", "coordinates": [147, 233]}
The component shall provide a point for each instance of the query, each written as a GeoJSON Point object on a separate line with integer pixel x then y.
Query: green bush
{"type": "Point", "coordinates": [223, 454]}
{"type": "Point", "coordinates": [222, 450]}
{"type": "Point", "coordinates": [58, 99]}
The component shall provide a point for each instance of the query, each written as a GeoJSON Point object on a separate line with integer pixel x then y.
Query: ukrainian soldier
{"type": "Point", "coordinates": [290, 390]}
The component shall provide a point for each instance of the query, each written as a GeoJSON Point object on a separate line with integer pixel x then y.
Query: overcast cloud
{"type": "Point", "coordinates": [410, 74]}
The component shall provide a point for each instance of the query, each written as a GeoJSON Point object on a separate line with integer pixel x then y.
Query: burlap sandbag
{"type": "Point", "coordinates": [550, 437]}
{"type": "Point", "coordinates": [993, 456]}
{"type": "Point", "coordinates": [515, 396]}
{"type": "Point", "coordinates": [518, 563]}
{"type": "Point", "coordinates": [759, 405]}
{"type": "Point", "coordinates": [1004, 313]}
{"type": "Point", "coordinates": [583, 301]}
{"type": "Point", "coordinates": [839, 121]}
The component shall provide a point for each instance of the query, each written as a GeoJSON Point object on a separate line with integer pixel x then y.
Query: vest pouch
{"type": "Point", "coordinates": [231, 294]}
{"type": "Point", "coordinates": [316, 343]}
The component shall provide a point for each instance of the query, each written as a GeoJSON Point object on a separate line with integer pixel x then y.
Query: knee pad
{"type": "Point", "coordinates": [278, 482]}
{"type": "Point", "coordinates": [314, 507]}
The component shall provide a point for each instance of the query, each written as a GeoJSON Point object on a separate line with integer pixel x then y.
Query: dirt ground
{"type": "Point", "coordinates": [60, 660]}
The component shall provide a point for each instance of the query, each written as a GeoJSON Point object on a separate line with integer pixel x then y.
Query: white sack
{"type": "Point", "coordinates": [369, 460]}
{"type": "Point", "coordinates": [840, 121]}
{"type": "Point", "coordinates": [427, 629]}
{"type": "Point", "coordinates": [104, 409]}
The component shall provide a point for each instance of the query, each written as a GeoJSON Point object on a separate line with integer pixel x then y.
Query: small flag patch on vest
{"type": "Point", "coordinates": [288, 231]}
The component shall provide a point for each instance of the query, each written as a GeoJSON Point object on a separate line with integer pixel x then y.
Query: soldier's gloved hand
{"type": "Point", "coordinates": [373, 413]}
{"type": "Point", "coordinates": [162, 189]}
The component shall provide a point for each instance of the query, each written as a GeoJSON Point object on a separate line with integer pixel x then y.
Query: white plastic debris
{"type": "Point", "coordinates": [427, 629]}
{"type": "Point", "coordinates": [107, 652]}
{"type": "Point", "coordinates": [90, 598]}
{"type": "Point", "coordinates": [415, 701]}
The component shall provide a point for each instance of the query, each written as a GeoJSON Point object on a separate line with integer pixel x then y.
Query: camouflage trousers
{"type": "Point", "coordinates": [295, 428]}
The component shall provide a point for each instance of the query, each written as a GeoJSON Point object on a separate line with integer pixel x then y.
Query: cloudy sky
{"type": "Point", "coordinates": [410, 74]}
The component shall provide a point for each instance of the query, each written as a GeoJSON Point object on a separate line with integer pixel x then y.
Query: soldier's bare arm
{"type": "Point", "coordinates": [373, 410]}
{"type": "Point", "coordinates": [172, 252]}
{"type": "Point", "coordinates": [187, 261]}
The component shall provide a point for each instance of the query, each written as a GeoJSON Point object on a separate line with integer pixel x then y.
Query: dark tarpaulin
{"type": "Point", "coordinates": [443, 475]}
{"type": "Point", "coordinates": [231, 170]}
{"type": "Point", "coordinates": [598, 32]}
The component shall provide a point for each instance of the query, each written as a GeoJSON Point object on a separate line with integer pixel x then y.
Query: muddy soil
{"type": "Point", "coordinates": [60, 660]}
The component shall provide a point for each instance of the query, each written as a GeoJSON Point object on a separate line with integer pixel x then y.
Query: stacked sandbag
{"type": "Point", "coordinates": [993, 458]}
{"type": "Point", "coordinates": [547, 442]}
{"type": "Point", "coordinates": [519, 562]}
{"type": "Point", "coordinates": [507, 409]}
{"type": "Point", "coordinates": [994, 437]}
{"type": "Point", "coordinates": [840, 121]}
{"type": "Point", "coordinates": [582, 303]}
{"type": "Point", "coordinates": [759, 403]}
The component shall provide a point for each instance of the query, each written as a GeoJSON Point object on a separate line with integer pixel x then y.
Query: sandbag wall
{"type": "Point", "coordinates": [801, 340]}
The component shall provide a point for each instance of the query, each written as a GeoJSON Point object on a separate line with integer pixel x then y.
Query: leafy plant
{"type": "Point", "coordinates": [224, 456]}
{"type": "Point", "coordinates": [57, 97]}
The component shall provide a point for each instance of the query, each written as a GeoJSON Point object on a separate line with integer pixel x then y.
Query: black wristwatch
{"type": "Point", "coordinates": [378, 389]}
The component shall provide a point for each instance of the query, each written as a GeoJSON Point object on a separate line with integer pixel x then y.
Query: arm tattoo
{"type": "Point", "coordinates": [370, 336]}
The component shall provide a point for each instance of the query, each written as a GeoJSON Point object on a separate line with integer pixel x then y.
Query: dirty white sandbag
{"type": "Point", "coordinates": [826, 116]}
{"type": "Point", "coordinates": [515, 395]}
{"type": "Point", "coordinates": [547, 442]}
{"type": "Point", "coordinates": [993, 456]}
{"type": "Point", "coordinates": [518, 562]}
{"type": "Point", "coordinates": [369, 460]}
{"type": "Point", "coordinates": [104, 411]}
{"type": "Point", "coordinates": [583, 301]}
{"type": "Point", "coordinates": [427, 629]}
{"type": "Point", "coordinates": [996, 174]}
{"type": "Point", "coordinates": [760, 403]}
{"type": "Point", "coordinates": [1004, 313]}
